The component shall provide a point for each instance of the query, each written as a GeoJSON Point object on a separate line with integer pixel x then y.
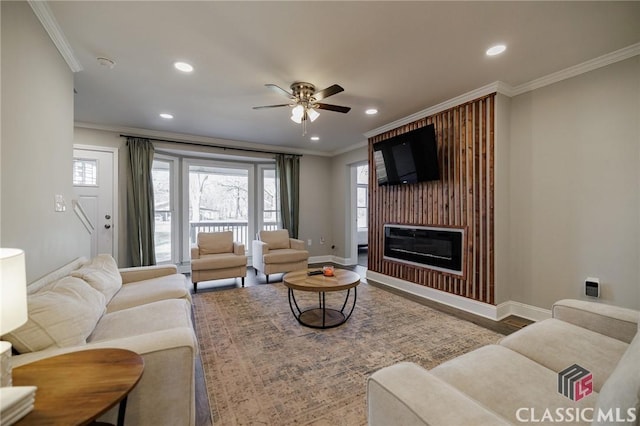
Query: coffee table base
{"type": "Point", "coordinates": [322, 317]}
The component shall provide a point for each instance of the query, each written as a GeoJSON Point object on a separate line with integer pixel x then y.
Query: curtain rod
{"type": "Point", "coordinates": [212, 146]}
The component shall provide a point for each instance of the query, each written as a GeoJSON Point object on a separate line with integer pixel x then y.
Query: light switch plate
{"type": "Point", "coordinates": [60, 203]}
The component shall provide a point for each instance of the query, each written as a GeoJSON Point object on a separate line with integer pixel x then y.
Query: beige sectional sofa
{"type": "Point", "coordinates": [90, 304]}
{"type": "Point", "coordinates": [518, 380]}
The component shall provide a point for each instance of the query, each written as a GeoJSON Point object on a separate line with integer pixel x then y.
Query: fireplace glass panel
{"type": "Point", "coordinates": [439, 248]}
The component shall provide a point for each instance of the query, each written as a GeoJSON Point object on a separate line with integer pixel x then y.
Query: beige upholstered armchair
{"type": "Point", "coordinates": [275, 252]}
{"type": "Point", "coordinates": [217, 256]}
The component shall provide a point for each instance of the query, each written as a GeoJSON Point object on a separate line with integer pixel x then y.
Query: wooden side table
{"type": "Point", "coordinates": [78, 387]}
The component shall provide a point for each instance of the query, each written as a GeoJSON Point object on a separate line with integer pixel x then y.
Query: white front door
{"type": "Point", "coordinates": [93, 181]}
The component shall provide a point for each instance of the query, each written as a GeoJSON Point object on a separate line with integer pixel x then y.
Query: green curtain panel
{"type": "Point", "coordinates": [140, 204]}
{"type": "Point", "coordinates": [288, 173]}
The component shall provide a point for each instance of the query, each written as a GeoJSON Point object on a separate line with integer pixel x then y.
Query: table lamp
{"type": "Point", "coordinates": [13, 304]}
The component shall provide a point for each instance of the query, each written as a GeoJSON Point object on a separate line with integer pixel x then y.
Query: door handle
{"type": "Point", "coordinates": [107, 226]}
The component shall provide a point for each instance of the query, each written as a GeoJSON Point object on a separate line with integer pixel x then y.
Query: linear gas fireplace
{"type": "Point", "coordinates": [431, 247]}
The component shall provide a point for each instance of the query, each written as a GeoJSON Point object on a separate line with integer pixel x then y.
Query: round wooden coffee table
{"type": "Point", "coordinates": [322, 317]}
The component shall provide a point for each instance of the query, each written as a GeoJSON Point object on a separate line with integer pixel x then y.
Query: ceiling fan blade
{"type": "Point", "coordinates": [329, 91]}
{"type": "Point", "coordinates": [336, 108]}
{"type": "Point", "coordinates": [271, 106]}
{"type": "Point", "coordinates": [279, 90]}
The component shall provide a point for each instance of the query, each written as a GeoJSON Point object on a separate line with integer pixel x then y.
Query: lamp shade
{"type": "Point", "coordinates": [13, 290]}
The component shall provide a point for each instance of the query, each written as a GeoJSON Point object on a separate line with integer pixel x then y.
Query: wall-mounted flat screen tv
{"type": "Point", "coordinates": [407, 158]}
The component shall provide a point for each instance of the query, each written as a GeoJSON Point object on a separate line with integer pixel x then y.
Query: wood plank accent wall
{"type": "Point", "coordinates": [462, 198]}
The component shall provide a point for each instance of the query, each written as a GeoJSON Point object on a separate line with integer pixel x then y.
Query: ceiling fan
{"type": "Point", "coordinates": [304, 101]}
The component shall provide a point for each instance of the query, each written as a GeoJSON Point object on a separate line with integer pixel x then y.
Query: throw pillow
{"type": "Point", "coordinates": [215, 242]}
{"type": "Point", "coordinates": [102, 274]}
{"type": "Point", "coordinates": [276, 239]}
{"type": "Point", "coordinates": [62, 315]}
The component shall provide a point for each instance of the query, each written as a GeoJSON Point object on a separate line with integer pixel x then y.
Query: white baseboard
{"type": "Point", "coordinates": [522, 310]}
{"type": "Point", "coordinates": [321, 259]}
{"type": "Point", "coordinates": [332, 259]}
{"type": "Point", "coordinates": [492, 312]}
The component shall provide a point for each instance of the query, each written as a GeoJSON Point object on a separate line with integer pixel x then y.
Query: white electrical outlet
{"type": "Point", "coordinates": [321, 240]}
{"type": "Point", "coordinates": [309, 242]}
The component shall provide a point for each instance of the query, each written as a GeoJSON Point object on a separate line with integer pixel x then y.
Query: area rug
{"type": "Point", "coordinates": [263, 368]}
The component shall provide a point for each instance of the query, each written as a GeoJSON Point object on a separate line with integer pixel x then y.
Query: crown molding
{"type": "Point", "coordinates": [510, 91]}
{"type": "Point", "coordinates": [590, 65]}
{"type": "Point", "coordinates": [45, 15]}
{"type": "Point", "coordinates": [497, 86]}
{"type": "Point", "coordinates": [350, 148]}
{"type": "Point", "coordinates": [205, 140]}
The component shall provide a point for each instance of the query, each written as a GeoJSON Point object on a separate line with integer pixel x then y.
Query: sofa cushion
{"type": "Point", "coordinates": [557, 345]}
{"type": "Point", "coordinates": [285, 256]}
{"type": "Point", "coordinates": [101, 273]}
{"type": "Point", "coordinates": [147, 291]}
{"type": "Point", "coordinates": [407, 394]}
{"type": "Point", "coordinates": [621, 391]}
{"type": "Point", "coordinates": [143, 319]}
{"type": "Point", "coordinates": [218, 261]}
{"type": "Point", "coordinates": [275, 239]}
{"type": "Point", "coordinates": [62, 314]}
{"type": "Point", "coordinates": [505, 381]}
{"type": "Point", "coordinates": [215, 242]}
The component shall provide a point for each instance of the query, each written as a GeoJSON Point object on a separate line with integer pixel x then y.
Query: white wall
{"type": "Point", "coordinates": [316, 204]}
{"type": "Point", "coordinates": [575, 193]}
{"type": "Point", "coordinates": [342, 216]}
{"type": "Point", "coordinates": [36, 152]}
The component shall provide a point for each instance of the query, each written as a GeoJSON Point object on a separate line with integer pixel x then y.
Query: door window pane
{"type": "Point", "coordinates": [161, 175]}
{"type": "Point", "coordinates": [85, 172]}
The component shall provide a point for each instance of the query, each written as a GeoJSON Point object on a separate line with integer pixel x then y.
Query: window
{"type": "Point", "coordinates": [270, 200]}
{"type": "Point", "coordinates": [85, 172]}
{"type": "Point", "coordinates": [219, 201]}
{"type": "Point", "coordinates": [202, 195]}
{"type": "Point", "coordinates": [362, 195]}
{"type": "Point", "coordinates": [161, 173]}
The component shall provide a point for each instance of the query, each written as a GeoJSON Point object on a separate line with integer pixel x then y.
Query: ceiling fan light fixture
{"type": "Point", "coordinates": [297, 114]}
{"type": "Point", "coordinates": [313, 114]}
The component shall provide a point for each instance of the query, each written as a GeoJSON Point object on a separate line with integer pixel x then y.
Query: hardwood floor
{"type": "Point", "coordinates": [203, 417]}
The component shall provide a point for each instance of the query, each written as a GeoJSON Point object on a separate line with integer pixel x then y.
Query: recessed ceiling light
{"type": "Point", "coordinates": [496, 50]}
{"type": "Point", "coordinates": [371, 111]}
{"type": "Point", "coordinates": [166, 116]}
{"type": "Point", "coordinates": [183, 66]}
{"type": "Point", "coordinates": [315, 138]}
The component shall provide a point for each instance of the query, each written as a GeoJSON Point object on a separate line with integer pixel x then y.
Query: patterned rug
{"type": "Point", "coordinates": [263, 368]}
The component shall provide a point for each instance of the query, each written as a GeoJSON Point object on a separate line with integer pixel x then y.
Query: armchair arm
{"type": "Point", "coordinates": [238, 248]}
{"type": "Point", "coordinates": [407, 394]}
{"type": "Point", "coordinates": [141, 273]}
{"type": "Point", "coordinates": [296, 244]}
{"type": "Point", "coordinates": [613, 321]}
{"type": "Point", "coordinates": [195, 252]}
{"type": "Point", "coordinates": [259, 248]}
